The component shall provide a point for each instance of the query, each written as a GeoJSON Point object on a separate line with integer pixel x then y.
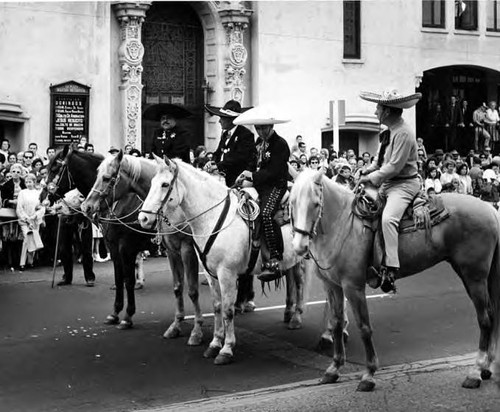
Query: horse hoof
{"type": "Point", "coordinates": [471, 383]}
{"type": "Point", "coordinates": [366, 386]}
{"type": "Point", "coordinates": [112, 320]}
{"type": "Point", "coordinates": [294, 324]}
{"type": "Point", "coordinates": [195, 340]}
{"type": "Point", "coordinates": [329, 378]}
{"type": "Point", "coordinates": [211, 352]}
{"type": "Point", "coordinates": [485, 374]}
{"type": "Point", "coordinates": [125, 324]}
{"type": "Point", "coordinates": [223, 359]}
{"type": "Point", "coordinates": [249, 306]}
{"type": "Point", "coordinates": [172, 332]}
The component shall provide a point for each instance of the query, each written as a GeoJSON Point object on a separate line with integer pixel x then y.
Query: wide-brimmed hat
{"type": "Point", "coordinates": [113, 149]}
{"type": "Point", "coordinates": [156, 111]}
{"type": "Point", "coordinates": [261, 115]}
{"type": "Point", "coordinates": [232, 109]}
{"type": "Point", "coordinates": [392, 98]}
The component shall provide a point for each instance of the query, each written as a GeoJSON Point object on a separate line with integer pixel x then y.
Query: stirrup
{"type": "Point", "coordinates": [388, 281]}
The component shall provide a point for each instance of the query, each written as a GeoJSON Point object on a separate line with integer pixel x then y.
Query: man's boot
{"type": "Point", "coordinates": [388, 279]}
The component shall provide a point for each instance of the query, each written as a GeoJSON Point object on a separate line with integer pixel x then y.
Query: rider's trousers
{"type": "Point", "coordinates": [270, 203]}
{"type": "Point", "coordinates": [399, 195]}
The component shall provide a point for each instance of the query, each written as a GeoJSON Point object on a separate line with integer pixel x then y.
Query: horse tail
{"type": "Point", "coordinates": [494, 297]}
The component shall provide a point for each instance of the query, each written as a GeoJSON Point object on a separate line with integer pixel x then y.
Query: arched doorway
{"type": "Point", "coordinates": [470, 83]}
{"type": "Point", "coordinates": [172, 36]}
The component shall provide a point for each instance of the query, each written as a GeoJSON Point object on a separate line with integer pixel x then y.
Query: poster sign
{"type": "Point", "coordinates": [69, 113]}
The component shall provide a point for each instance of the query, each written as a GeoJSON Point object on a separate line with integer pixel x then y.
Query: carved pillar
{"type": "Point", "coordinates": [235, 20]}
{"type": "Point", "coordinates": [131, 15]}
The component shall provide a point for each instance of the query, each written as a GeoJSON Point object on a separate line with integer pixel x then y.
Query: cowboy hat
{"type": "Point", "coordinates": [392, 98]}
{"type": "Point", "coordinates": [113, 149]}
{"type": "Point", "coordinates": [156, 111]}
{"type": "Point", "coordinates": [232, 109]}
{"type": "Point", "coordinates": [261, 115]}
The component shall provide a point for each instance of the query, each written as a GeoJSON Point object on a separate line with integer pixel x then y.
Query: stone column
{"type": "Point", "coordinates": [131, 15]}
{"type": "Point", "coordinates": [235, 19]}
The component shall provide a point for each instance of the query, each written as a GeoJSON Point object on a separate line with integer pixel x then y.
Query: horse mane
{"type": "Point", "coordinates": [200, 174]}
{"type": "Point", "coordinates": [131, 165]}
{"type": "Point", "coordinates": [309, 174]}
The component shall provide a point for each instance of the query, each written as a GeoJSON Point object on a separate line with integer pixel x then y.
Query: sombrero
{"type": "Point", "coordinates": [261, 115]}
{"type": "Point", "coordinates": [156, 111]}
{"type": "Point", "coordinates": [392, 98]}
{"type": "Point", "coordinates": [231, 109]}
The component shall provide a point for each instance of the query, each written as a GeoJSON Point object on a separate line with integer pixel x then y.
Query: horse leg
{"type": "Point", "coordinates": [218, 338]}
{"type": "Point", "coordinates": [298, 279]}
{"type": "Point", "coordinates": [290, 292]}
{"type": "Point", "coordinates": [336, 305]}
{"type": "Point", "coordinates": [478, 292]}
{"type": "Point", "coordinates": [357, 299]}
{"type": "Point", "coordinates": [114, 319]}
{"type": "Point", "coordinates": [128, 260]}
{"type": "Point", "coordinates": [139, 271]}
{"type": "Point", "coordinates": [190, 260]}
{"type": "Point", "coordinates": [177, 268]}
{"type": "Point", "coordinates": [228, 289]}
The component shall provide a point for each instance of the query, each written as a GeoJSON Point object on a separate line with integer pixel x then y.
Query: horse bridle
{"type": "Point", "coordinates": [60, 174]}
{"type": "Point", "coordinates": [310, 233]}
{"type": "Point", "coordinates": [113, 181]}
{"type": "Point", "coordinates": [159, 212]}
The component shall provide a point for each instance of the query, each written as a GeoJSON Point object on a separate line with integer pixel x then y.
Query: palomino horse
{"type": "Point", "coordinates": [207, 204]}
{"type": "Point", "coordinates": [326, 228]}
{"type": "Point", "coordinates": [121, 175]}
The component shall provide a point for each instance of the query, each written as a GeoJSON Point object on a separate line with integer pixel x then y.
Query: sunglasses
{"type": "Point", "coordinates": [28, 157]}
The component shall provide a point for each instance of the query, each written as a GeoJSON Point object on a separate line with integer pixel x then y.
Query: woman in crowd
{"type": "Point", "coordinates": [30, 214]}
{"type": "Point", "coordinates": [36, 166]}
{"type": "Point", "coordinates": [433, 181]}
{"type": "Point", "coordinates": [465, 181]}
{"type": "Point", "coordinates": [448, 172]}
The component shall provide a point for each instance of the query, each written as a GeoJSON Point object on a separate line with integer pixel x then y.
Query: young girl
{"type": "Point", "coordinates": [30, 214]}
{"type": "Point", "coordinates": [433, 181]}
{"type": "Point", "coordinates": [465, 181]}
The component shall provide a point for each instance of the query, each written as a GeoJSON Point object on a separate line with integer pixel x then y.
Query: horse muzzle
{"type": "Point", "coordinates": [300, 244]}
{"type": "Point", "coordinates": [146, 219]}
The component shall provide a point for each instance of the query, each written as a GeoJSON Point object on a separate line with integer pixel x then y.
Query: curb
{"type": "Point", "coordinates": [258, 395]}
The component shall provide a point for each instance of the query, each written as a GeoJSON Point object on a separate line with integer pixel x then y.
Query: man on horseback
{"type": "Point", "coordinates": [236, 151]}
{"type": "Point", "coordinates": [395, 170]}
{"type": "Point", "coordinates": [270, 181]}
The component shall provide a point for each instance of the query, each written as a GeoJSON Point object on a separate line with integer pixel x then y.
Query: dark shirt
{"type": "Point", "coordinates": [237, 154]}
{"type": "Point", "coordinates": [272, 170]}
{"type": "Point", "coordinates": [172, 143]}
{"type": "Point", "coordinates": [7, 191]}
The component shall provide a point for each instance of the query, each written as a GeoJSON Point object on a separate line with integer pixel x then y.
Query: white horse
{"type": "Point", "coordinates": [203, 198]}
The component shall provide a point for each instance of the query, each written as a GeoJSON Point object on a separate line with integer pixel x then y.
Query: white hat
{"type": "Point", "coordinates": [392, 98]}
{"type": "Point", "coordinates": [260, 115]}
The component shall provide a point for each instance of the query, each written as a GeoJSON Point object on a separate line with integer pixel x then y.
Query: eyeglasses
{"type": "Point", "coordinates": [28, 157]}
{"type": "Point", "coordinates": [314, 163]}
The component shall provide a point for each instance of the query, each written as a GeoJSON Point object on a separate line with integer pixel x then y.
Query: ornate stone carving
{"type": "Point", "coordinates": [235, 19]}
{"type": "Point", "coordinates": [130, 53]}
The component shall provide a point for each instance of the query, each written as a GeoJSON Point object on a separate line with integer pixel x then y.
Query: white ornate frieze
{"type": "Point", "coordinates": [131, 15]}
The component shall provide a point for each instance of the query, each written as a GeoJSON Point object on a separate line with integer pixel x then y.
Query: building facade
{"type": "Point", "coordinates": [93, 68]}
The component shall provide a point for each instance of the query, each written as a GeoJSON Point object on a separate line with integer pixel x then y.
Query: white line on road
{"type": "Point", "coordinates": [266, 308]}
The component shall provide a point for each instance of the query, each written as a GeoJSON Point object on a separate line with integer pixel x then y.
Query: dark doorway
{"type": "Point", "coordinates": [470, 83]}
{"type": "Point", "coordinates": [173, 66]}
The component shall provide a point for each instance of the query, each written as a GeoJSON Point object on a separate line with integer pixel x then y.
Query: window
{"type": "Point", "coordinates": [352, 29]}
{"type": "Point", "coordinates": [466, 14]}
{"type": "Point", "coordinates": [493, 15]}
{"type": "Point", "coordinates": [433, 13]}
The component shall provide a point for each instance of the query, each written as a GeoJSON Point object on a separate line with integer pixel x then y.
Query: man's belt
{"type": "Point", "coordinates": [399, 178]}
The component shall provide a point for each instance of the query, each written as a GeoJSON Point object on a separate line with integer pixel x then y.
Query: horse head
{"type": "Point", "coordinates": [57, 182]}
{"type": "Point", "coordinates": [306, 208]}
{"type": "Point", "coordinates": [160, 194]}
{"type": "Point", "coordinates": [104, 190]}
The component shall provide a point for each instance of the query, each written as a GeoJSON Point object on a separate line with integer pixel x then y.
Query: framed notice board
{"type": "Point", "coordinates": [69, 113]}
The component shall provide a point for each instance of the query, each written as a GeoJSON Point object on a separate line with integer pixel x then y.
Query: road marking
{"type": "Point", "coordinates": [266, 308]}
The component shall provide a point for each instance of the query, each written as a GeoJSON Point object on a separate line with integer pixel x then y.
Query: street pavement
{"type": "Point", "coordinates": [58, 356]}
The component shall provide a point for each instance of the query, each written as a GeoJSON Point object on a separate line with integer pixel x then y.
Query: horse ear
{"type": "Point", "coordinates": [119, 156]}
{"type": "Point", "coordinates": [158, 159]}
{"type": "Point", "coordinates": [166, 160]}
{"type": "Point", "coordinates": [66, 149]}
{"type": "Point", "coordinates": [318, 178]}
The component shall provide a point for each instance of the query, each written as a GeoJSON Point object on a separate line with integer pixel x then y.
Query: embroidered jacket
{"type": "Point", "coordinates": [272, 168]}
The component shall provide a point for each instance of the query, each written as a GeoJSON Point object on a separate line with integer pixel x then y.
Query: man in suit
{"type": "Point", "coordinates": [270, 181]}
{"type": "Point", "coordinates": [171, 140]}
{"type": "Point", "coordinates": [236, 151]}
{"type": "Point", "coordinates": [454, 118]}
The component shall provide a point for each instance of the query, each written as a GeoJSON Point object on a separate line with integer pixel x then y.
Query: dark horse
{"type": "Point", "coordinates": [71, 169]}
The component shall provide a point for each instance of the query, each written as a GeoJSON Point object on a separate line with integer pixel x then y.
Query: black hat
{"type": "Point", "coordinates": [231, 109]}
{"type": "Point", "coordinates": [156, 111]}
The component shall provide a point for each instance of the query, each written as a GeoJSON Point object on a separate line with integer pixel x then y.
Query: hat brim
{"type": "Point", "coordinates": [221, 112]}
{"type": "Point", "coordinates": [156, 111]}
{"type": "Point", "coordinates": [259, 116]}
{"type": "Point", "coordinates": [403, 102]}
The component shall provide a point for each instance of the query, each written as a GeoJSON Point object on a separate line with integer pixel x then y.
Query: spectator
{"type": "Point", "coordinates": [420, 146]}
{"type": "Point", "coordinates": [344, 176]}
{"type": "Point", "coordinates": [295, 164]}
{"type": "Point", "coordinates": [487, 153]}
{"type": "Point", "coordinates": [33, 148]}
{"type": "Point", "coordinates": [448, 172]}
{"type": "Point", "coordinates": [51, 152]}
{"type": "Point", "coordinates": [36, 166]}
{"type": "Point", "coordinates": [4, 147]}
{"type": "Point", "coordinates": [28, 157]}
{"type": "Point", "coordinates": [136, 153]}
{"type": "Point", "coordinates": [433, 181]}
{"type": "Point", "coordinates": [492, 120]}
{"type": "Point", "coordinates": [127, 149]}
{"type": "Point", "coordinates": [367, 158]}
{"type": "Point", "coordinates": [465, 181]}
{"type": "Point", "coordinates": [466, 128]}
{"type": "Point", "coordinates": [30, 214]}
{"type": "Point", "coordinates": [303, 161]}
{"type": "Point", "coordinates": [20, 157]}
{"type": "Point", "coordinates": [481, 135]}
{"type": "Point", "coordinates": [11, 159]}
{"type": "Point", "coordinates": [313, 162]}
{"type": "Point", "coordinates": [89, 147]}
{"type": "Point", "coordinates": [450, 187]}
